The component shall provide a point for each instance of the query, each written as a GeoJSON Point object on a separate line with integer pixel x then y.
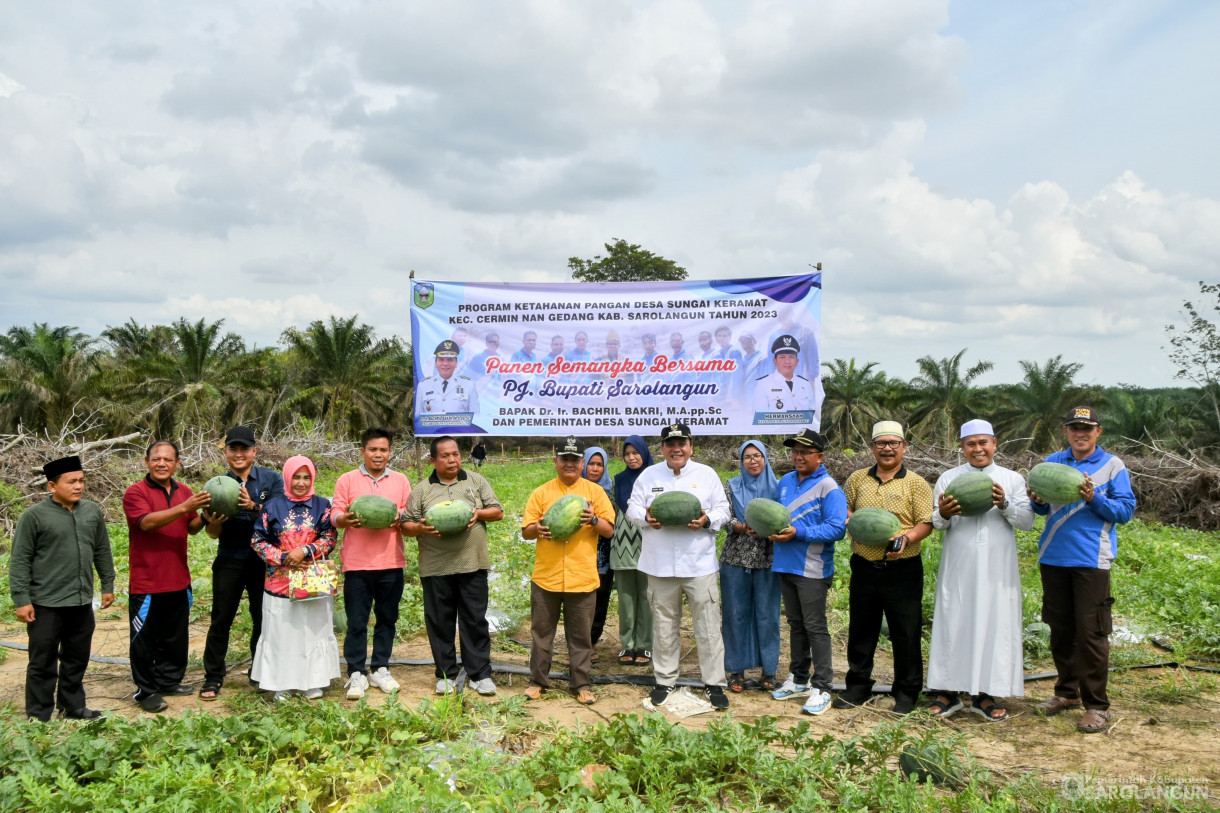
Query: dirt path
{"type": "Point", "coordinates": [1149, 737]}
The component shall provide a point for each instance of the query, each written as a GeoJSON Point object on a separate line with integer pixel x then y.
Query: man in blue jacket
{"type": "Point", "coordinates": [805, 561]}
{"type": "Point", "coordinates": [1077, 547]}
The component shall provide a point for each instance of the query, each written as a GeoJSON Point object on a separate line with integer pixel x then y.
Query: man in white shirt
{"type": "Point", "coordinates": [682, 561]}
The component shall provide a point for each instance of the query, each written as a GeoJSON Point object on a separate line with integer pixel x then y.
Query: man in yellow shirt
{"type": "Point", "coordinates": [565, 573]}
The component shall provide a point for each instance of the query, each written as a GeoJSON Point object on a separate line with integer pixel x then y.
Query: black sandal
{"type": "Point", "coordinates": [626, 657]}
{"type": "Point", "coordinates": [768, 683]}
{"type": "Point", "coordinates": [985, 706]}
{"type": "Point", "coordinates": [209, 687]}
{"type": "Point", "coordinates": [737, 683]}
{"type": "Point", "coordinates": [945, 705]}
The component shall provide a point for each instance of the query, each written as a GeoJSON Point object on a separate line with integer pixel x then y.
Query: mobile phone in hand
{"type": "Point", "coordinates": [895, 545]}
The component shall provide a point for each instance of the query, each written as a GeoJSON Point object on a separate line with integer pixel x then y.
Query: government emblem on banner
{"type": "Point", "coordinates": [425, 294]}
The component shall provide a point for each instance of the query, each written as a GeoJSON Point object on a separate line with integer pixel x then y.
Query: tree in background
{"type": "Point", "coordinates": [945, 397]}
{"type": "Point", "coordinates": [346, 374]}
{"type": "Point", "coordinates": [625, 263]}
{"type": "Point", "coordinates": [45, 374]}
{"type": "Point", "coordinates": [853, 399]}
{"type": "Point", "coordinates": [1031, 413]}
{"type": "Point", "coordinates": [1196, 349]}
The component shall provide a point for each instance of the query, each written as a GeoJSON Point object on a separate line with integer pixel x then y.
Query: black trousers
{"type": "Point", "coordinates": [1077, 606]}
{"type": "Point", "coordinates": [605, 587]}
{"type": "Point", "coordinates": [458, 600]}
{"type": "Point", "coordinates": [895, 590]}
{"type": "Point", "coordinates": [231, 578]}
{"type": "Point", "coordinates": [60, 641]}
{"type": "Point", "coordinates": [365, 592]}
{"type": "Point", "coordinates": [159, 640]}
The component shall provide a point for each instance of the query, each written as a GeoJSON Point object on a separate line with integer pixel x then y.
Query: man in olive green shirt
{"type": "Point", "coordinates": [453, 569]}
{"type": "Point", "coordinates": [59, 543]}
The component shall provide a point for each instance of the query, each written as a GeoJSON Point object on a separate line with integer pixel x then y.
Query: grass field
{"type": "Point", "coordinates": [463, 754]}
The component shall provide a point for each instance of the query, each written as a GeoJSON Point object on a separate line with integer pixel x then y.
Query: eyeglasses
{"type": "Point", "coordinates": [887, 444]}
{"type": "Point", "coordinates": [752, 457]}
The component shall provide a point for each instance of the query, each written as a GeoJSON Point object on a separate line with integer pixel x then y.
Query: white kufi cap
{"type": "Point", "coordinates": [977, 427]}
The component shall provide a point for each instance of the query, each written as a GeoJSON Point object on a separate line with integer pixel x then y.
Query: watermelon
{"type": "Point", "coordinates": [449, 517]}
{"type": "Point", "coordinates": [1040, 630]}
{"type": "Point", "coordinates": [339, 622]}
{"type": "Point", "coordinates": [676, 508]}
{"type": "Point", "coordinates": [374, 512]}
{"type": "Point", "coordinates": [225, 493]}
{"type": "Point", "coordinates": [972, 491]}
{"type": "Point", "coordinates": [873, 527]}
{"type": "Point", "coordinates": [563, 518]}
{"type": "Point", "coordinates": [766, 517]}
{"type": "Point", "coordinates": [1056, 483]}
{"type": "Point", "coordinates": [930, 761]}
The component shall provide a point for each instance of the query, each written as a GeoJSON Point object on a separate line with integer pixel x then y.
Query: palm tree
{"type": "Point", "coordinates": [1032, 412]}
{"type": "Point", "coordinates": [46, 374]}
{"type": "Point", "coordinates": [944, 396]}
{"type": "Point", "coordinates": [1140, 416]}
{"type": "Point", "coordinates": [853, 398]}
{"type": "Point", "coordinates": [347, 373]}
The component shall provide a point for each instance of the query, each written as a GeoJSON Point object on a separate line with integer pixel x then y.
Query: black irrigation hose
{"type": "Point", "coordinates": [647, 680]}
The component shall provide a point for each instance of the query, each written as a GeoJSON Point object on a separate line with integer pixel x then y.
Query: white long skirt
{"type": "Point", "coordinates": [297, 649]}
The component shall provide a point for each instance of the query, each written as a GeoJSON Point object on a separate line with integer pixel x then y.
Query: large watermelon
{"type": "Point", "coordinates": [226, 492]}
{"type": "Point", "coordinates": [374, 512]}
{"type": "Point", "coordinates": [930, 761]}
{"type": "Point", "coordinates": [449, 517]}
{"type": "Point", "coordinates": [676, 508]}
{"type": "Point", "coordinates": [563, 518]}
{"type": "Point", "coordinates": [873, 527]}
{"type": "Point", "coordinates": [1055, 482]}
{"type": "Point", "coordinates": [766, 517]}
{"type": "Point", "coordinates": [972, 491]}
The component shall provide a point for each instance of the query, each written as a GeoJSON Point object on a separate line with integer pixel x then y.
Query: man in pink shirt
{"type": "Point", "coordinates": [372, 565]}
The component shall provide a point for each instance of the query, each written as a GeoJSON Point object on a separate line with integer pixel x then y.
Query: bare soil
{"type": "Point", "coordinates": [1164, 722]}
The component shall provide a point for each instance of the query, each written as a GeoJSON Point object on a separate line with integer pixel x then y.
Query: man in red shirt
{"type": "Point", "coordinates": [373, 562]}
{"type": "Point", "coordinates": [161, 514]}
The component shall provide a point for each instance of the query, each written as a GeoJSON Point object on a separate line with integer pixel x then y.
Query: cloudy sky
{"type": "Point", "coordinates": [1022, 179]}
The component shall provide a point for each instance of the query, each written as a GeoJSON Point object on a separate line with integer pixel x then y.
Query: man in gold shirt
{"type": "Point", "coordinates": [887, 579]}
{"type": "Point", "coordinates": [565, 573]}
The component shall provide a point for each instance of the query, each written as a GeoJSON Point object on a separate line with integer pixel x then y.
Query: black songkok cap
{"type": "Point", "coordinates": [64, 465]}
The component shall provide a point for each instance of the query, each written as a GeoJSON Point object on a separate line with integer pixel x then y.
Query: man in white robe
{"type": "Point", "coordinates": [977, 626]}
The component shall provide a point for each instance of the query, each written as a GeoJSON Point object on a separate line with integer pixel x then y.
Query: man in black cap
{"type": "Point", "coordinates": [447, 392]}
{"type": "Point", "coordinates": [237, 568]}
{"type": "Point", "coordinates": [58, 545]}
{"type": "Point", "coordinates": [784, 390]}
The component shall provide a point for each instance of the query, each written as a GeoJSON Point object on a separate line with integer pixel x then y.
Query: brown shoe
{"type": "Point", "coordinates": [1093, 721]}
{"type": "Point", "coordinates": [585, 697]}
{"type": "Point", "coordinates": [1054, 705]}
{"type": "Point", "coordinates": [533, 692]}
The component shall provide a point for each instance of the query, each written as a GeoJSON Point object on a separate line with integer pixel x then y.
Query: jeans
{"type": "Point", "coordinates": [749, 598]}
{"type": "Point", "coordinates": [231, 578]}
{"type": "Point", "coordinates": [365, 591]}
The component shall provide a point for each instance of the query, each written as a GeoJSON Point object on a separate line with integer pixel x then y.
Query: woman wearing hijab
{"type": "Point", "coordinates": [749, 589]}
{"type": "Point", "coordinates": [634, 613]}
{"type": "Point", "coordinates": [297, 650]}
{"type": "Point", "coordinates": [595, 469]}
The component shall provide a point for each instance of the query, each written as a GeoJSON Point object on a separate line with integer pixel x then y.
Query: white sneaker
{"type": "Point", "coordinates": [356, 685]}
{"type": "Point", "coordinates": [313, 694]}
{"type": "Point", "coordinates": [484, 687]}
{"type": "Point", "coordinates": [445, 686]}
{"type": "Point", "coordinates": [383, 680]}
{"type": "Point", "coordinates": [790, 689]}
{"type": "Point", "coordinates": [817, 703]}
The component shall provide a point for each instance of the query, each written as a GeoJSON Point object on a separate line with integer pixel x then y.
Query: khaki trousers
{"type": "Point", "coordinates": [703, 595]}
{"type": "Point", "coordinates": [576, 609]}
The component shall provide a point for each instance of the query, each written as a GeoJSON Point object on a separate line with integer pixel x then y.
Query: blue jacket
{"type": "Point", "coordinates": [819, 514]}
{"type": "Point", "coordinates": [1082, 534]}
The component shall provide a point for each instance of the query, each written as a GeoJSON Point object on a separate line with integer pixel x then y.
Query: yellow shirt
{"type": "Point", "coordinates": [906, 495]}
{"type": "Point", "coordinates": [569, 566]}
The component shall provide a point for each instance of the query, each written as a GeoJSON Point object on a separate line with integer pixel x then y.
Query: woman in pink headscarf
{"type": "Point", "coordinates": [297, 650]}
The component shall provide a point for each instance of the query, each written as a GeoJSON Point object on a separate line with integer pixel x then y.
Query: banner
{"type": "Point", "coordinates": [725, 357]}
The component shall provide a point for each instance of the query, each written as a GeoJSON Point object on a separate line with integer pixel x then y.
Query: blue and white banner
{"type": "Point", "coordinates": [725, 357]}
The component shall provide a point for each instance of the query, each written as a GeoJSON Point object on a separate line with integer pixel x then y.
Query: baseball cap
{"type": "Point", "coordinates": [785, 344]}
{"type": "Point", "coordinates": [807, 439]}
{"type": "Point", "coordinates": [675, 431]}
{"type": "Point", "coordinates": [1082, 414]}
{"type": "Point", "coordinates": [887, 428]}
{"type": "Point", "coordinates": [240, 434]}
{"type": "Point", "coordinates": [569, 448]}
{"type": "Point", "coordinates": [447, 349]}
